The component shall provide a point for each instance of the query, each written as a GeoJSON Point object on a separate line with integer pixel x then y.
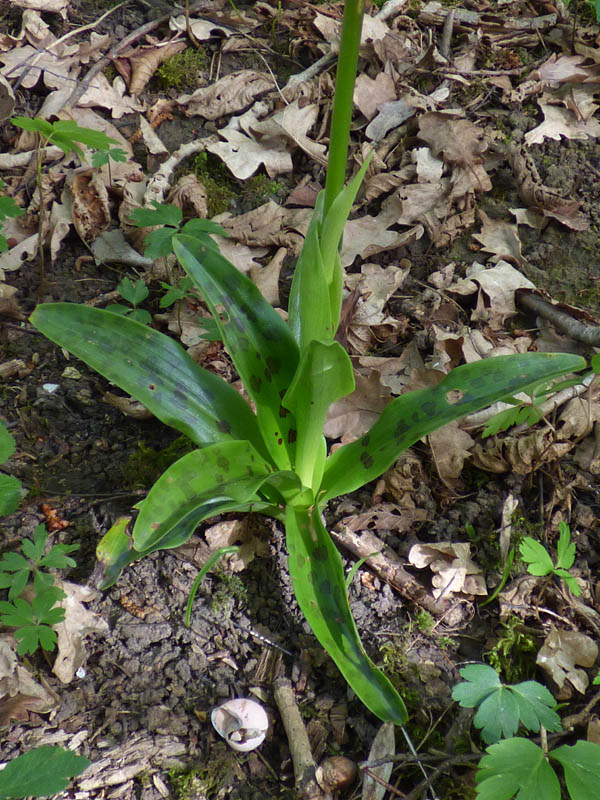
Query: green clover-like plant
{"type": "Point", "coordinates": [539, 561]}
{"type": "Point", "coordinates": [34, 620]}
{"type": "Point", "coordinates": [500, 707]}
{"type": "Point", "coordinates": [275, 460]}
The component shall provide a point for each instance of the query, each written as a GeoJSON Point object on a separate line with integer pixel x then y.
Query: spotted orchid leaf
{"type": "Point", "coordinates": [154, 369]}
{"type": "Point", "coordinates": [257, 339]}
{"type": "Point", "coordinates": [317, 576]}
{"type": "Point", "coordinates": [413, 415]}
{"type": "Point", "coordinates": [318, 272]}
{"type": "Point", "coordinates": [215, 479]}
{"type": "Point", "coordinates": [324, 375]}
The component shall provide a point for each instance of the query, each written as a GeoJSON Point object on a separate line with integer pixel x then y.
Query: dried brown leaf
{"type": "Point", "coordinates": [561, 654]}
{"type": "Point", "coordinates": [229, 95]}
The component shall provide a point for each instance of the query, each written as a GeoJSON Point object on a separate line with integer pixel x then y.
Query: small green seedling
{"type": "Point", "coordinates": [539, 561]}
{"type": "Point", "coordinates": [34, 620]}
{"type": "Point", "coordinates": [8, 208]}
{"type": "Point", "coordinates": [10, 487]}
{"type": "Point", "coordinates": [68, 135]}
{"type": "Point", "coordinates": [134, 294]}
{"type": "Point", "coordinates": [159, 243]}
{"type": "Point", "coordinates": [501, 708]}
{"type": "Point", "coordinates": [40, 772]}
{"type": "Point", "coordinates": [515, 765]}
{"type": "Point", "coordinates": [174, 292]}
{"type": "Point", "coordinates": [270, 456]}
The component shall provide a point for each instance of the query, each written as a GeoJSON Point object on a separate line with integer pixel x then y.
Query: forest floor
{"type": "Point", "coordinates": [483, 192]}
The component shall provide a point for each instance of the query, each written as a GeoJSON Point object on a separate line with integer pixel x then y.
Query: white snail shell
{"type": "Point", "coordinates": [243, 723]}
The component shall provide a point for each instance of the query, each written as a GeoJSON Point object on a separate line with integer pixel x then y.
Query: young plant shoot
{"type": "Point", "coordinates": [275, 461]}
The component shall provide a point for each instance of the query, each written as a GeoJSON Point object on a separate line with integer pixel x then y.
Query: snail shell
{"type": "Point", "coordinates": [243, 723]}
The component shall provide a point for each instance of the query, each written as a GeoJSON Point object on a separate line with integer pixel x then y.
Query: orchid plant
{"type": "Point", "coordinates": [275, 460]}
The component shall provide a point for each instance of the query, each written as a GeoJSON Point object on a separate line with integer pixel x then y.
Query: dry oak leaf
{"type": "Point", "coordinates": [58, 71]}
{"type": "Point", "coordinates": [78, 623]}
{"type": "Point", "coordinates": [293, 122]}
{"type": "Point", "coordinates": [370, 94]}
{"type": "Point", "coordinates": [139, 65]}
{"type": "Point", "coordinates": [242, 532]}
{"type": "Point", "coordinates": [561, 654]}
{"type": "Point", "coordinates": [561, 69]}
{"type": "Point", "coordinates": [243, 155]}
{"type": "Point", "coordinates": [56, 6]}
{"type": "Point", "coordinates": [19, 692]}
{"type": "Point", "coordinates": [499, 238]}
{"type": "Point", "coordinates": [189, 194]}
{"type": "Point", "coordinates": [353, 415]}
{"type": "Point", "coordinates": [458, 140]}
{"type": "Point", "coordinates": [559, 121]}
{"type": "Point", "coordinates": [454, 570]}
{"type": "Point", "coordinates": [91, 212]}
{"type": "Point", "coordinates": [450, 447]}
{"type": "Point", "coordinates": [229, 95]}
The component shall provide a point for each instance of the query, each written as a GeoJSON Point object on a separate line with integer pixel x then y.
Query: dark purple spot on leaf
{"type": "Point", "coordinates": [274, 364]}
{"type": "Point", "coordinates": [429, 407]}
{"type": "Point", "coordinates": [365, 440]}
{"type": "Point", "coordinates": [320, 553]}
{"type": "Point", "coordinates": [223, 426]}
{"type": "Point", "coordinates": [223, 463]}
{"type": "Point", "coordinates": [401, 427]}
{"type": "Point", "coordinates": [280, 441]}
{"type": "Point", "coordinates": [255, 383]}
{"type": "Point", "coordinates": [291, 436]}
{"type": "Point", "coordinates": [152, 387]}
{"type": "Point", "coordinates": [366, 460]}
{"type": "Point", "coordinates": [268, 375]}
{"type": "Point", "coordinates": [283, 412]}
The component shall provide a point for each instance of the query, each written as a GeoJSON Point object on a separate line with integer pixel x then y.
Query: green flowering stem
{"type": "Point", "coordinates": [342, 103]}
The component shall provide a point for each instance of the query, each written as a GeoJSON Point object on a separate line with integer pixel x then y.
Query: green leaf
{"type": "Point", "coordinates": [57, 557]}
{"type": "Point", "coordinates": [318, 271]}
{"type": "Point", "coordinates": [8, 208]}
{"type": "Point", "coordinates": [140, 315]}
{"type": "Point", "coordinates": [569, 580]}
{"type": "Point", "coordinates": [201, 484]}
{"type": "Point", "coordinates": [10, 494]}
{"type": "Point", "coordinates": [177, 292]}
{"type": "Point", "coordinates": [536, 706]}
{"type": "Point", "coordinates": [154, 369]}
{"type": "Point", "coordinates": [498, 715]}
{"type": "Point", "coordinates": [69, 129]}
{"type": "Point", "coordinates": [516, 767]}
{"type": "Point", "coordinates": [479, 682]}
{"type": "Point", "coordinates": [161, 214]}
{"type": "Point", "coordinates": [410, 417]}
{"type": "Point", "coordinates": [42, 771]}
{"type": "Point", "coordinates": [158, 243]}
{"type": "Point", "coordinates": [318, 579]}
{"type": "Point", "coordinates": [134, 293]}
{"type": "Point", "coordinates": [118, 308]}
{"type": "Point", "coordinates": [536, 556]}
{"type": "Point", "coordinates": [257, 339]}
{"type": "Point", "coordinates": [201, 227]}
{"type": "Point", "coordinates": [565, 548]}
{"type": "Point", "coordinates": [7, 443]}
{"type": "Point", "coordinates": [581, 763]}
{"type": "Point", "coordinates": [35, 125]}
{"type": "Point", "coordinates": [324, 375]}
{"type": "Point", "coordinates": [35, 550]}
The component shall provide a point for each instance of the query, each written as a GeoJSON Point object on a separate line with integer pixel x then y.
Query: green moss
{"type": "Point", "coordinates": [257, 189]}
{"type": "Point", "coordinates": [514, 652]}
{"type": "Point", "coordinates": [425, 621]}
{"type": "Point", "coordinates": [182, 70]}
{"type": "Point", "coordinates": [202, 781]}
{"type": "Point", "coordinates": [229, 589]}
{"type": "Point", "coordinates": [146, 465]}
{"type": "Point", "coordinates": [220, 187]}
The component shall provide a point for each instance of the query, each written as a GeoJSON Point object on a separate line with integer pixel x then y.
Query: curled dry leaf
{"type": "Point", "coordinates": [384, 744]}
{"type": "Point", "coordinates": [561, 654]}
{"type": "Point", "coordinates": [454, 570]}
{"type": "Point", "coordinates": [229, 95]}
{"type": "Point", "coordinates": [189, 194]}
{"type": "Point", "coordinates": [558, 122]}
{"type": "Point", "coordinates": [7, 98]}
{"type": "Point", "coordinates": [450, 447]}
{"type": "Point", "coordinates": [242, 532]}
{"type": "Point", "coordinates": [243, 155]}
{"type": "Point", "coordinates": [91, 212]}
{"type": "Point", "coordinates": [243, 723]}
{"type": "Point", "coordinates": [78, 623]}
{"type": "Point", "coordinates": [144, 61]}
{"type": "Point", "coordinates": [19, 692]}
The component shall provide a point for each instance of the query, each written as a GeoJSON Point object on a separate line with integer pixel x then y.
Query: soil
{"type": "Point", "coordinates": [139, 707]}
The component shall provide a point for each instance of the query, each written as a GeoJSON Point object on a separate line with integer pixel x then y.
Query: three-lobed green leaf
{"type": "Point", "coordinates": [519, 767]}
{"type": "Point", "coordinates": [502, 707]}
{"type": "Point", "coordinates": [539, 561]}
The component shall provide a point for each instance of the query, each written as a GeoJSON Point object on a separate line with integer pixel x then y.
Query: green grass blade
{"type": "Point", "coordinates": [257, 339]}
{"type": "Point", "coordinates": [202, 483]}
{"type": "Point", "coordinates": [152, 368]}
{"type": "Point", "coordinates": [324, 375]}
{"type": "Point", "coordinates": [318, 579]}
{"type": "Point", "coordinates": [409, 417]}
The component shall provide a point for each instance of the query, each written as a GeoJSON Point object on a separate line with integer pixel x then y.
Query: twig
{"type": "Point", "coordinates": [581, 331]}
{"type": "Point", "coordinates": [304, 765]}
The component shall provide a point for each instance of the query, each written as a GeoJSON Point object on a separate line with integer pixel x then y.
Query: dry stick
{"type": "Point", "coordinates": [389, 568]}
{"type": "Point", "coordinates": [304, 764]}
{"type": "Point", "coordinates": [581, 331]}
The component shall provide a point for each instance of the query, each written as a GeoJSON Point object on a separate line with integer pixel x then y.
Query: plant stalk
{"type": "Point", "coordinates": [342, 104]}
